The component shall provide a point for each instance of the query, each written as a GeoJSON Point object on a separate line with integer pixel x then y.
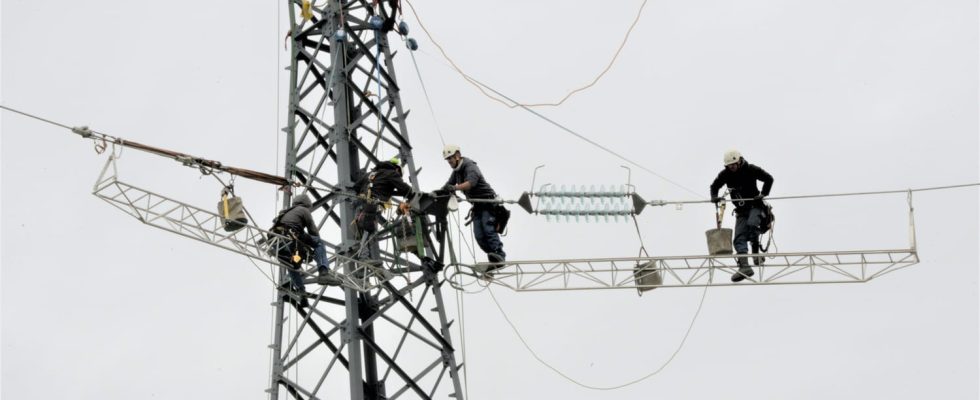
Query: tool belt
{"type": "Point", "coordinates": [296, 249]}
{"type": "Point", "coordinates": [500, 214]}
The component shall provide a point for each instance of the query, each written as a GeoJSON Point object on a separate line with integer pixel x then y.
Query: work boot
{"type": "Point", "coordinates": [495, 260]}
{"type": "Point", "coordinates": [744, 270]}
{"type": "Point", "coordinates": [328, 277]}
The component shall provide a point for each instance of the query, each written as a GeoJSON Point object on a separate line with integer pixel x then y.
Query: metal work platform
{"type": "Point", "coordinates": [206, 226]}
{"type": "Point", "coordinates": [646, 273]}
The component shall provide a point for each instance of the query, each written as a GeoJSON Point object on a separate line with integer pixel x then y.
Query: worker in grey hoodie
{"type": "Point", "coordinates": [297, 222]}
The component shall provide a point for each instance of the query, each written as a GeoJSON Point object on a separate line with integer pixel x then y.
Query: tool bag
{"type": "Point", "coordinates": [502, 215]}
{"type": "Point", "coordinates": [768, 218]}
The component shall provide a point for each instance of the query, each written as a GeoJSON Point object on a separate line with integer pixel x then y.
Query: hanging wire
{"type": "Point", "coordinates": [455, 278]}
{"type": "Point", "coordinates": [481, 85]}
{"type": "Point", "coordinates": [586, 139]}
{"type": "Point", "coordinates": [275, 203]}
{"type": "Point", "coordinates": [460, 311]}
{"type": "Point", "coordinates": [428, 101]}
{"type": "Point", "coordinates": [514, 104]}
{"type": "Point", "coordinates": [603, 388]}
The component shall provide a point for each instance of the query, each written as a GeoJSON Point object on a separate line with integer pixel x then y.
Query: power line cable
{"type": "Point", "coordinates": [595, 80]}
{"type": "Point", "coordinates": [35, 117]}
{"type": "Point", "coordinates": [427, 100]}
{"type": "Point", "coordinates": [480, 85]}
{"type": "Point", "coordinates": [584, 138]}
{"type": "Point", "coordinates": [592, 142]}
{"type": "Point", "coordinates": [813, 196]}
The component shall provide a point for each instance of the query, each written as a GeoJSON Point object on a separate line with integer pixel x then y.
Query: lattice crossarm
{"type": "Point", "coordinates": [692, 271]}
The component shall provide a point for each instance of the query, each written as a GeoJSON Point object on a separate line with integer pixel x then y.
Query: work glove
{"type": "Point", "coordinates": [449, 187]}
{"type": "Point", "coordinates": [759, 197]}
{"type": "Point", "coordinates": [716, 199]}
{"type": "Point", "coordinates": [403, 208]}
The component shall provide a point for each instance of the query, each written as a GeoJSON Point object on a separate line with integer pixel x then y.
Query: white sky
{"type": "Point", "coordinates": [828, 96]}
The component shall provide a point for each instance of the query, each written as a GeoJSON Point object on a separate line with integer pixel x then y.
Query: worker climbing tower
{"type": "Point", "coordinates": [390, 338]}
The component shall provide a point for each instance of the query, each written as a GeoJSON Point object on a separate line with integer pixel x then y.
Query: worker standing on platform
{"type": "Point", "coordinates": [297, 223]}
{"type": "Point", "coordinates": [740, 177]}
{"type": "Point", "coordinates": [466, 177]}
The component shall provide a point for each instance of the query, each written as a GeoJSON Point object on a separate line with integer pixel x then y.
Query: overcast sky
{"type": "Point", "coordinates": [828, 96]}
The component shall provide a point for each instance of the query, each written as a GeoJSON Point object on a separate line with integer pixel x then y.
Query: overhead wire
{"type": "Point", "coordinates": [427, 100]}
{"type": "Point", "coordinates": [821, 195]}
{"type": "Point", "coordinates": [580, 136]}
{"type": "Point", "coordinates": [534, 354]}
{"type": "Point", "coordinates": [269, 278]}
{"type": "Point", "coordinates": [480, 86]}
{"type": "Point", "coordinates": [594, 143]}
{"type": "Point", "coordinates": [35, 117]}
{"type": "Point", "coordinates": [514, 104]}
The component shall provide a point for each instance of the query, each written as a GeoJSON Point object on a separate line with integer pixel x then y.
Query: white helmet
{"type": "Point", "coordinates": [732, 157]}
{"type": "Point", "coordinates": [449, 150]}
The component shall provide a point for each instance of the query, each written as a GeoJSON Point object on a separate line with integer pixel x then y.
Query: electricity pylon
{"type": "Point", "coordinates": [345, 115]}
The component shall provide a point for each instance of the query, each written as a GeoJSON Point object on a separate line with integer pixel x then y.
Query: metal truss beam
{"type": "Point", "coordinates": [646, 273]}
{"type": "Point", "coordinates": [205, 226]}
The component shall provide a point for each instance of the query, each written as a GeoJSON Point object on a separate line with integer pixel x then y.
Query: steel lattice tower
{"type": "Point", "coordinates": [344, 116]}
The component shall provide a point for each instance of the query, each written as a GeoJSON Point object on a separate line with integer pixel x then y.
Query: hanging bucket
{"type": "Point", "coordinates": [647, 277]}
{"type": "Point", "coordinates": [232, 213]}
{"type": "Point", "coordinates": [719, 241]}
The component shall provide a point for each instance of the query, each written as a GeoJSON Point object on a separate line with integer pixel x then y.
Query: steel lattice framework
{"type": "Point", "coordinates": [344, 116]}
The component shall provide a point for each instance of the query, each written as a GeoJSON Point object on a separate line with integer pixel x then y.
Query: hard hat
{"type": "Point", "coordinates": [732, 157]}
{"type": "Point", "coordinates": [395, 160]}
{"type": "Point", "coordinates": [449, 150]}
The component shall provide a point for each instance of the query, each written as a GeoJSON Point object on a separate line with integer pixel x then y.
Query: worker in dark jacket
{"type": "Point", "coordinates": [297, 222]}
{"type": "Point", "coordinates": [740, 177]}
{"type": "Point", "coordinates": [376, 189]}
{"type": "Point", "coordinates": [466, 177]}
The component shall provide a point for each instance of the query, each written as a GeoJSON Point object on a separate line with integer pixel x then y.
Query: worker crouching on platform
{"type": "Point", "coordinates": [296, 222]}
{"type": "Point", "coordinates": [466, 177]}
{"type": "Point", "coordinates": [740, 177]}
